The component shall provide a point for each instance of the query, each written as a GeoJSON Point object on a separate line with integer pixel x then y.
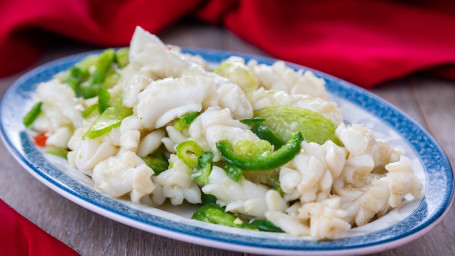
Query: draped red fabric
{"type": "Point", "coordinates": [365, 42]}
{"type": "Point", "coordinates": [18, 236]}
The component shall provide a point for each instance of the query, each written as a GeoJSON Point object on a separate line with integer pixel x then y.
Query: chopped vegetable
{"type": "Point", "coordinates": [31, 116]}
{"type": "Point", "coordinates": [111, 118]}
{"type": "Point", "coordinates": [157, 161]}
{"type": "Point", "coordinates": [285, 120]}
{"type": "Point", "coordinates": [88, 111]}
{"type": "Point", "coordinates": [265, 225]}
{"type": "Point", "coordinates": [171, 165]}
{"type": "Point", "coordinates": [233, 172]}
{"type": "Point", "coordinates": [40, 139]}
{"type": "Point", "coordinates": [61, 152]}
{"type": "Point", "coordinates": [263, 132]}
{"type": "Point", "coordinates": [214, 214]}
{"type": "Point", "coordinates": [87, 91]}
{"type": "Point", "coordinates": [88, 62]}
{"type": "Point", "coordinates": [253, 122]}
{"type": "Point", "coordinates": [103, 100]}
{"type": "Point", "coordinates": [103, 65]}
{"type": "Point", "coordinates": [122, 57]}
{"type": "Point", "coordinates": [112, 78]}
{"type": "Point", "coordinates": [189, 152]}
{"type": "Point", "coordinates": [208, 199]}
{"type": "Point", "coordinates": [252, 148]}
{"type": "Point", "coordinates": [76, 76]}
{"type": "Point", "coordinates": [261, 162]}
{"type": "Point", "coordinates": [204, 167]}
{"type": "Point", "coordinates": [185, 121]}
{"type": "Point", "coordinates": [239, 74]}
{"type": "Point", "coordinates": [80, 72]}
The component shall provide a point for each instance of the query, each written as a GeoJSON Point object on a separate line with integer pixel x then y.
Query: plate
{"type": "Point", "coordinates": [398, 227]}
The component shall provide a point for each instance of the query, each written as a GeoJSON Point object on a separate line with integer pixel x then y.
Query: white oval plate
{"type": "Point", "coordinates": [400, 226]}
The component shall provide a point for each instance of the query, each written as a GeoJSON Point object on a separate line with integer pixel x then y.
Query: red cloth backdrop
{"type": "Point", "coordinates": [18, 236]}
{"type": "Point", "coordinates": [365, 42]}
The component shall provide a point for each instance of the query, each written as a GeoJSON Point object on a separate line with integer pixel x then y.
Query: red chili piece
{"type": "Point", "coordinates": [40, 139]}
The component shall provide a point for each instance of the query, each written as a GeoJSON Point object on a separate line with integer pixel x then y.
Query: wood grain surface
{"type": "Point", "coordinates": [428, 101]}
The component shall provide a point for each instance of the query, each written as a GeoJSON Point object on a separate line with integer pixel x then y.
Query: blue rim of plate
{"type": "Point", "coordinates": [436, 165]}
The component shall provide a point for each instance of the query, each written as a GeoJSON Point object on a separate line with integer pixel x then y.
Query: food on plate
{"type": "Point", "coordinates": [259, 147]}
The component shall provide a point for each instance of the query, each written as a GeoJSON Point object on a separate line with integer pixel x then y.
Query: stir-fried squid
{"type": "Point", "coordinates": [258, 147]}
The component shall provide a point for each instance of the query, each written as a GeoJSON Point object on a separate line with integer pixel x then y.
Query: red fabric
{"type": "Point", "coordinates": [365, 42]}
{"type": "Point", "coordinates": [18, 236]}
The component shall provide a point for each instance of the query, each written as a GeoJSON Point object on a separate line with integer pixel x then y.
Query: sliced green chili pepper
{"type": "Point", "coordinates": [111, 117]}
{"type": "Point", "coordinates": [157, 161]}
{"type": "Point", "coordinates": [265, 225]}
{"type": "Point", "coordinates": [185, 121]}
{"type": "Point", "coordinates": [88, 111]}
{"type": "Point", "coordinates": [253, 122]}
{"type": "Point", "coordinates": [122, 57]}
{"type": "Point", "coordinates": [112, 78]}
{"type": "Point", "coordinates": [263, 132]}
{"type": "Point", "coordinates": [261, 162]}
{"type": "Point", "coordinates": [233, 172]}
{"type": "Point", "coordinates": [189, 152]}
{"type": "Point", "coordinates": [31, 115]}
{"type": "Point", "coordinates": [61, 152]}
{"type": "Point", "coordinates": [103, 65]}
{"type": "Point", "coordinates": [103, 100]}
{"type": "Point", "coordinates": [80, 72]}
{"type": "Point", "coordinates": [77, 76]}
{"type": "Point", "coordinates": [214, 214]}
{"type": "Point", "coordinates": [204, 167]}
{"type": "Point", "coordinates": [208, 199]}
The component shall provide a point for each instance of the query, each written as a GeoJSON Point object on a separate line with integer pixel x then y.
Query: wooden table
{"type": "Point", "coordinates": [428, 101]}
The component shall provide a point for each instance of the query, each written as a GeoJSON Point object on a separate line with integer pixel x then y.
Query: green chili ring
{"type": "Point", "coordinates": [189, 152]}
{"type": "Point", "coordinates": [261, 162]}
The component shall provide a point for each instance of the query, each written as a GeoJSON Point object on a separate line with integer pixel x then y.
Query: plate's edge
{"type": "Point", "coordinates": [222, 244]}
